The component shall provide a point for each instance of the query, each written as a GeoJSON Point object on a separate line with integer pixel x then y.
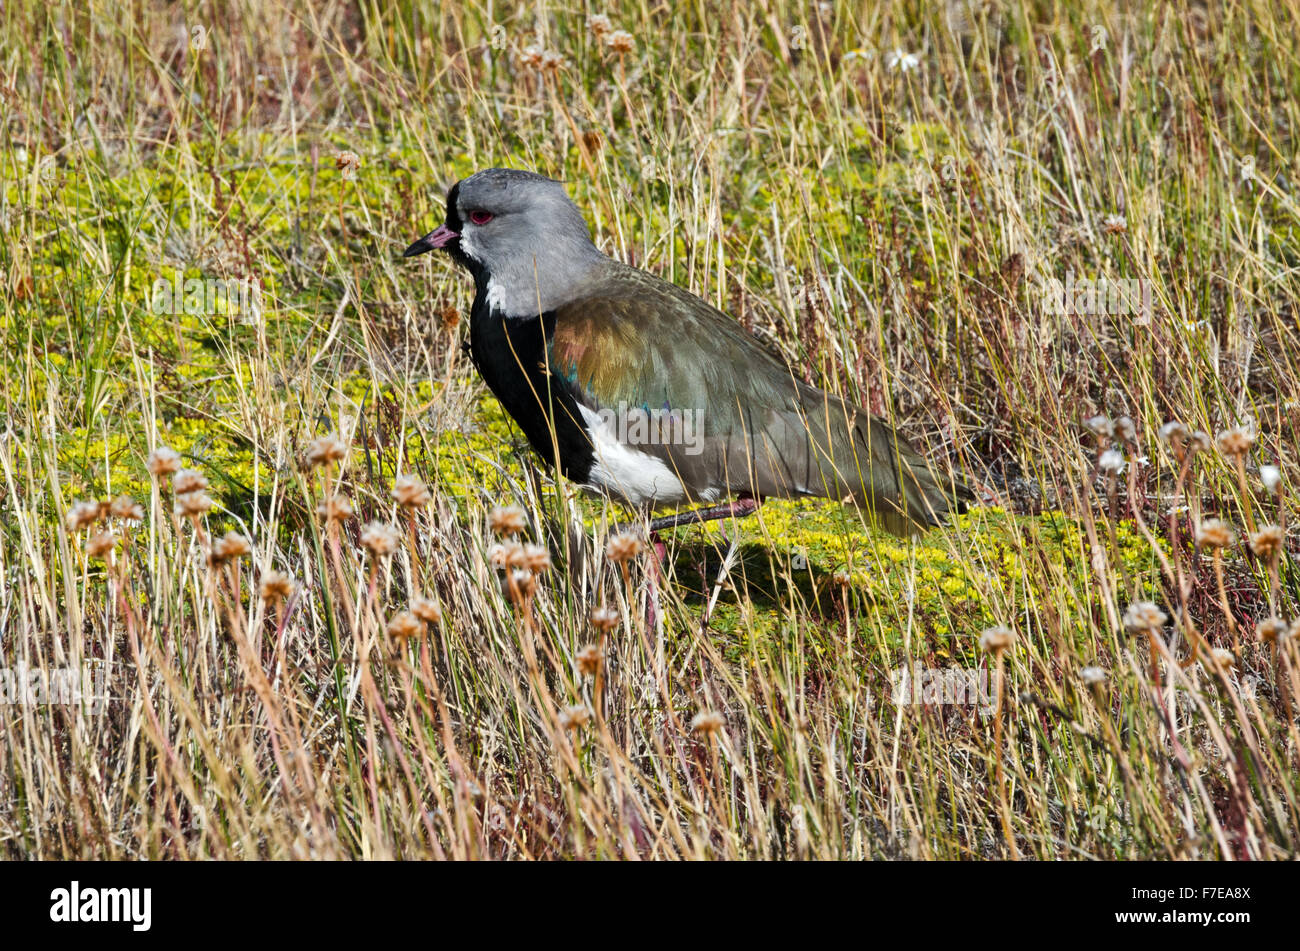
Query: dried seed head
{"type": "Point", "coordinates": [1125, 429]}
{"type": "Point", "coordinates": [575, 717]}
{"type": "Point", "coordinates": [552, 61]}
{"type": "Point", "coordinates": [1271, 476]}
{"type": "Point", "coordinates": [163, 461]}
{"type": "Point", "coordinates": [997, 639]}
{"type": "Point", "coordinates": [411, 492]}
{"type": "Point", "coordinates": [404, 625]}
{"type": "Point", "coordinates": [1144, 617]}
{"type": "Point", "coordinates": [127, 509]}
{"type": "Point", "coordinates": [604, 619]}
{"type": "Point", "coordinates": [620, 42]}
{"type": "Point", "coordinates": [1199, 441]}
{"type": "Point", "coordinates": [623, 547]}
{"type": "Point", "coordinates": [707, 722]}
{"type": "Point", "coordinates": [1267, 542]}
{"type": "Point", "coordinates": [531, 56]}
{"type": "Point", "coordinates": [1114, 224]}
{"type": "Point", "coordinates": [230, 547]}
{"type": "Point", "coordinates": [427, 610]}
{"type": "Point", "coordinates": [323, 451]}
{"type": "Point", "coordinates": [189, 480]}
{"type": "Point", "coordinates": [1111, 462]}
{"type": "Point", "coordinates": [1100, 426]}
{"type": "Point", "coordinates": [1174, 433]}
{"type": "Point", "coordinates": [336, 508]}
{"type": "Point", "coordinates": [347, 163]}
{"type": "Point", "coordinates": [276, 587]}
{"type": "Point", "coordinates": [841, 578]}
{"type": "Point", "coordinates": [536, 558]}
{"type": "Point", "coordinates": [589, 659]}
{"type": "Point", "coordinates": [1270, 629]}
{"type": "Point", "coordinates": [1092, 676]}
{"type": "Point", "coordinates": [506, 555]}
{"type": "Point", "coordinates": [83, 514]}
{"type": "Point", "coordinates": [522, 584]}
{"type": "Point", "coordinates": [507, 520]}
{"type": "Point", "coordinates": [1214, 533]}
{"type": "Point", "coordinates": [598, 24]}
{"type": "Point", "coordinates": [379, 539]}
{"type": "Point", "coordinates": [1236, 441]}
{"type": "Point", "coordinates": [99, 545]}
{"type": "Point", "coordinates": [193, 504]}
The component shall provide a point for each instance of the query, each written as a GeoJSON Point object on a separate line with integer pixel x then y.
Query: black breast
{"type": "Point", "coordinates": [511, 355]}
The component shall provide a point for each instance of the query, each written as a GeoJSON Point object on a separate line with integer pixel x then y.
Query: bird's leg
{"type": "Point", "coordinates": [737, 508]}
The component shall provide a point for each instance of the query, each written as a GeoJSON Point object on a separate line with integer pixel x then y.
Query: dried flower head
{"type": "Point", "coordinates": [521, 584]}
{"type": "Point", "coordinates": [623, 547]}
{"type": "Point", "coordinates": [1270, 629]}
{"type": "Point", "coordinates": [323, 451]}
{"type": "Point", "coordinates": [507, 520]}
{"type": "Point", "coordinates": [604, 619]}
{"type": "Point", "coordinates": [99, 545]}
{"type": "Point", "coordinates": [1144, 617]}
{"type": "Point", "coordinates": [1092, 676]}
{"type": "Point", "coordinates": [189, 480]}
{"type": "Point", "coordinates": [1267, 542]}
{"type": "Point", "coordinates": [589, 660]}
{"type": "Point", "coordinates": [536, 558]}
{"type": "Point", "coordinates": [1114, 224]}
{"type": "Point", "coordinates": [575, 717]}
{"type": "Point", "coordinates": [620, 42]}
{"type": "Point", "coordinates": [230, 547]}
{"type": "Point", "coordinates": [1236, 441]}
{"type": "Point", "coordinates": [127, 509]}
{"type": "Point", "coordinates": [707, 722]}
{"type": "Point", "coordinates": [336, 508]}
{"type": "Point", "coordinates": [380, 540]}
{"type": "Point", "coordinates": [193, 504]}
{"type": "Point", "coordinates": [1199, 441]}
{"type": "Point", "coordinates": [1125, 429]}
{"type": "Point", "coordinates": [1111, 462]}
{"type": "Point", "coordinates": [506, 555]}
{"type": "Point", "coordinates": [1271, 476]}
{"type": "Point", "coordinates": [411, 492]}
{"type": "Point", "coordinates": [427, 610]}
{"type": "Point", "coordinates": [404, 625]}
{"type": "Point", "coordinates": [1174, 433]}
{"type": "Point", "coordinates": [598, 25]}
{"type": "Point", "coordinates": [1100, 426]}
{"type": "Point", "coordinates": [531, 56]}
{"type": "Point", "coordinates": [276, 587]}
{"type": "Point", "coordinates": [83, 514]}
{"type": "Point", "coordinates": [841, 578]}
{"type": "Point", "coordinates": [997, 638]}
{"type": "Point", "coordinates": [163, 461]}
{"type": "Point", "coordinates": [552, 61]}
{"type": "Point", "coordinates": [1214, 533]}
{"type": "Point", "coordinates": [347, 163]}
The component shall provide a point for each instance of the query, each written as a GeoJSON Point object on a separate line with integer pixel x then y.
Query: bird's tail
{"type": "Point", "coordinates": [860, 456]}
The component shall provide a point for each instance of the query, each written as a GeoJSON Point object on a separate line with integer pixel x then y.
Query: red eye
{"type": "Point", "coordinates": [480, 217]}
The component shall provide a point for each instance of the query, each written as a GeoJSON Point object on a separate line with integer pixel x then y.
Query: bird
{"type": "Point", "coordinates": [637, 389]}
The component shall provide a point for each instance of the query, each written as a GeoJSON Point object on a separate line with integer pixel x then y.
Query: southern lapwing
{"type": "Point", "coordinates": [633, 387]}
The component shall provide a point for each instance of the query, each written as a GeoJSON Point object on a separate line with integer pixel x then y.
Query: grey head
{"type": "Point", "coordinates": [523, 239]}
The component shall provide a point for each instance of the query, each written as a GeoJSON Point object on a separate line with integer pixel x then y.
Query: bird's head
{"type": "Point", "coordinates": [516, 229]}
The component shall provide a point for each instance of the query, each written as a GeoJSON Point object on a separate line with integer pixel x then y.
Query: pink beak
{"type": "Point", "coordinates": [440, 237]}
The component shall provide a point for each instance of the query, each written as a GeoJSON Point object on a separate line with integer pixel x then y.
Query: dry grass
{"type": "Point", "coordinates": [885, 223]}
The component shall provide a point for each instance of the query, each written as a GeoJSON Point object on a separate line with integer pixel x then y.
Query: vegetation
{"type": "Point", "coordinates": [337, 609]}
